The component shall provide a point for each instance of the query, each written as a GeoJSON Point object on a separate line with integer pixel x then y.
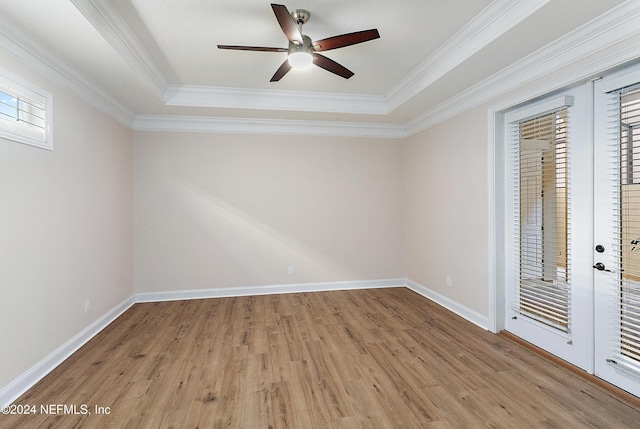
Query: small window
{"type": "Point", "coordinates": [25, 113]}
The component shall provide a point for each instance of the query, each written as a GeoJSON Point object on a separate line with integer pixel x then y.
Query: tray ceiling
{"type": "Point", "coordinates": [155, 60]}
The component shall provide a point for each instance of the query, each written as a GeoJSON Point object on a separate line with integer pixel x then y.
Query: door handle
{"type": "Point", "coordinates": [600, 267]}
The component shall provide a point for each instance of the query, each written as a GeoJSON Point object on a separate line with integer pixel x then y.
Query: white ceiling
{"type": "Point", "coordinates": [159, 57]}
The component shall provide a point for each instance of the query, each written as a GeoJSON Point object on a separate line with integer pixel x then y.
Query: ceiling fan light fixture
{"type": "Point", "coordinates": [300, 60]}
{"type": "Point", "coordinates": [300, 55]}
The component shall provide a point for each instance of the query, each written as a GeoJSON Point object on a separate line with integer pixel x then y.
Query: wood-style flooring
{"type": "Point", "coordinates": [379, 358]}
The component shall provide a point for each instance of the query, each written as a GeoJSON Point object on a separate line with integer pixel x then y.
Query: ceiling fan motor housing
{"type": "Point", "coordinates": [300, 16]}
{"type": "Point", "coordinates": [305, 47]}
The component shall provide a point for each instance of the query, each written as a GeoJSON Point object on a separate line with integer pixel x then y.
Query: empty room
{"type": "Point", "coordinates": [319, 214]}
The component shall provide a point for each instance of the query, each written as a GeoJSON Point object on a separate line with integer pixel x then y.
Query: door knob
{"type": "Point", "coordinates": [599, 248]}
{"type": "Point", "coordinates": [600, 267]}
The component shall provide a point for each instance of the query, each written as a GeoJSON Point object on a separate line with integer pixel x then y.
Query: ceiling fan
{"type": "Point", "coordinates": [302, 51]}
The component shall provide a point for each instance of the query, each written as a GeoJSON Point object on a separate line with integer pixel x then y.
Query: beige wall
{"type": "Point", "coordinates": [446, 209]}
{"type": "Point", "coordinates": [65, 229]}
{"type": "Point", "coordinates": [216, 210]}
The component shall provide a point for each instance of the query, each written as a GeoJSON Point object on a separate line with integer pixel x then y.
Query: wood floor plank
{"type": "Point", "coordinates": [382, 358]}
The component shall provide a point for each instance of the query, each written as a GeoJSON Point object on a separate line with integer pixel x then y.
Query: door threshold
{"type": "Point", "coordinates": [621, 394]}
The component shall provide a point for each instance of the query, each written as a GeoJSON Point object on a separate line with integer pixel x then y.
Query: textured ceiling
{"type": "Point", "coordinates": [159, 57]}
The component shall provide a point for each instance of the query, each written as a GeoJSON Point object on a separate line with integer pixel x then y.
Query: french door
{"type": "Point", "coordinates": [548, 223]}
{"type": "Point", "coordinates": [616, 251]}
{"type": "Point", "coordinates": [572, 226]}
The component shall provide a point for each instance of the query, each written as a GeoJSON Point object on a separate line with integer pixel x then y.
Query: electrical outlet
{"type": "Point", "coordinates": [448, 281]}
{"type": "Point", "coordinates": [86, 305]}
{"type": "Point", "coordinates": [290, 269]}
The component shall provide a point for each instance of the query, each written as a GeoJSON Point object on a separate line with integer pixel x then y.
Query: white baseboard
{"type": "Point", "coordinates": [15, 389]}
{"type": "Point", "coordinates": [266, 290]}
{"type": "Point", "coordinates": [471, 315]}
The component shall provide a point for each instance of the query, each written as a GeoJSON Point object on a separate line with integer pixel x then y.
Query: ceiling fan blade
{"type": "Point", "coordinates": [330, 65]}
{"type": "Point", "coordinates": [345, 40]}
{"type": "Point", "coordinates": [252, 48]}
{"type": "Point", "coordinates": [287, 23]}
{"type": "Point", "coordinates": [282, 70]}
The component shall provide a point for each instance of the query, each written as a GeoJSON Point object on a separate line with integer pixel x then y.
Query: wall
{"type": "Point", "coordinates": [65, 229]}
{"type": "Point", "coordinates": [446, 209]}
{"type": "Point", "coordinates": [218, 211]}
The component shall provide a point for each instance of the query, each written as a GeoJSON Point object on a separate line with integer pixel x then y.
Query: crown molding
{"type": "Point", "coordinates": [109, 23]}
{"type": "Point", "coordinates": [616, 26]}
{"type": "Point", "coordinates": [493, 21]}
{"type": "Point", "coordinates": [496, 19]}
{"type": "Point", "coordinates": [17, 43]}
{"type": "Point", "coordinates": [269, 99]}
{"type": "Point", "coordinates": [205, 124]}
{"type": "Point", "coordinates": [604, 32]}
{"type": "Point", "coordinates": [106, 19]}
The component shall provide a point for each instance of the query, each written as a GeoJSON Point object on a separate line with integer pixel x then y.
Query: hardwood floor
{"type": "Point", "coordinates": [381, 358]}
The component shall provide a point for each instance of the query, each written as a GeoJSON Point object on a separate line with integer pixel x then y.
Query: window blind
{"type": "Point", "coordinates": [540, 148]}
{"type": "Point", "coordinates": [624, 145]}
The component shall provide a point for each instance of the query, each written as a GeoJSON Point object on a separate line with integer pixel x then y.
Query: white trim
{"type": "Point", "coordinates": [205, 124]}
{"type": "Point", "coordinates": [270, 99]}
{"type": "Point", "coordinates": [495, 20]}
{"type": "Point", "coordinates": [15, 389]}
{"type": "Point", "coordinates": [451, 305]}
{"type": "Point", "coordinates": [494, 245]}
{"type": "Point", "coordinates": [267, 290]}
{"type": "Point", "coordinates": [17, 43]}
{"type": "Point", "coordinates": [106, 19]}
{"type": "Point", "coordinates": [590, 140]}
